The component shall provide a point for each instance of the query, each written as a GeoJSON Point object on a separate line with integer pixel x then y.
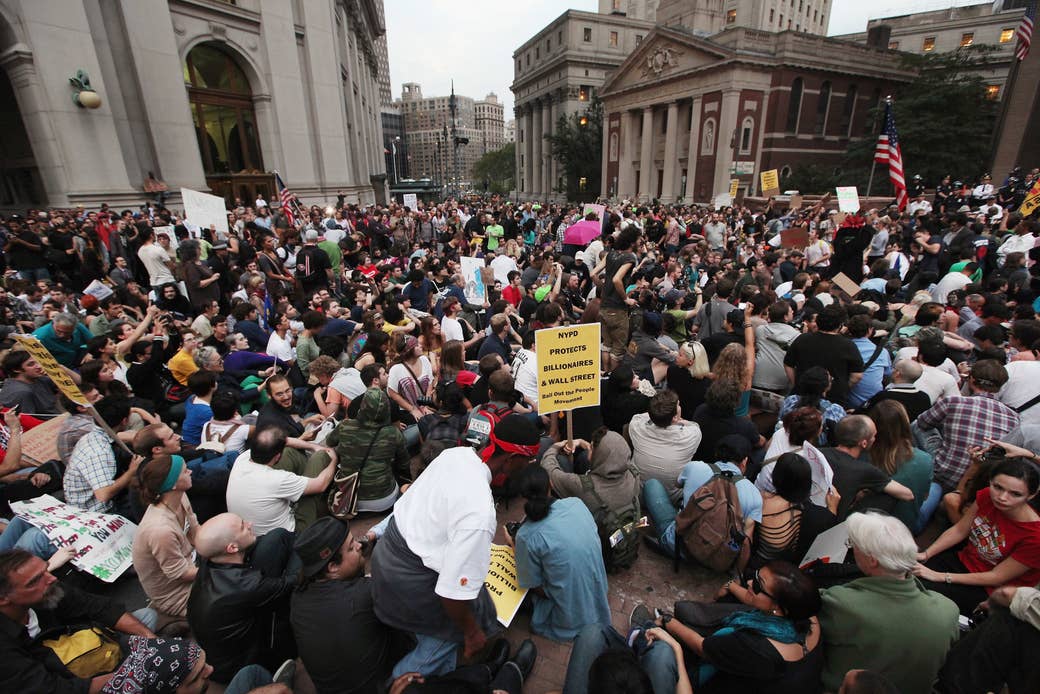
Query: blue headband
{"type": "Point", "coordinates": [176, 467]}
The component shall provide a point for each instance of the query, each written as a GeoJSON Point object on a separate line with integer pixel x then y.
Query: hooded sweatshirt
{"type": "Point", "coordinates": [352, 439]}
{"type": "Point", "coordinates": [613, 478]}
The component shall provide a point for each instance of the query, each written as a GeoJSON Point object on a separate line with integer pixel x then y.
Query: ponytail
{"type": "Point", "coordinates": [534, 487]}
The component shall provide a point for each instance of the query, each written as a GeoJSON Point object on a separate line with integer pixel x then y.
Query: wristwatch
{"type": "Point", "coordinates": [665, 618]}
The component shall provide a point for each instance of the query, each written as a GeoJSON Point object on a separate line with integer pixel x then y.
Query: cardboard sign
{"type": "Point", "coordinates": [795, 237]}
{"type": "Point", "coordinates": [1031, 201]}
{"type": "Point", "coordinates": [734, 185]}
{"type": "Point", "coordinates": [40, 443]}
{"type": "Point", "coordinates": [103, 542]}
{"type": "Point", "coordinates": [723, 200]}
{"type": "Point", "coordinates": [568, 367]}
{"type": "Point", "coordinates": [796, 201]}
{"type": "Point", "coordinates": [474, 289]}
{"type": "Point", "coordinates": [848, 198]}
{"type": "Point", "coordinates": [503, 585]}
{"type": "Point", "coordinates": [52, 368]}
{"type": "Point", "coordinates": [770, 183]}
{"type": "Point", "coordinates": [599, 210]}
{"type": "Point", "coordinates": [410, 201]}
{"type": "Point", "coordinates": [829, 547]}
{"type": "Point", "coordinates": [846, 284]}
{"type": "Point", "coordinates": [205, 209]}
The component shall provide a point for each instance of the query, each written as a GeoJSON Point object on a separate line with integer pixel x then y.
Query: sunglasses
{"type": "Point", "coordinates": [756, 585]}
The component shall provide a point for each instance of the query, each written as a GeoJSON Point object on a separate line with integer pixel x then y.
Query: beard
{"type": "Point", "coordinates": [52, 597]}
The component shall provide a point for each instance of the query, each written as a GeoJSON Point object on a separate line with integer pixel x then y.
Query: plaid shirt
{"type": "Point", "coordinates": [92, 466]}
{"type": "Point", "coordinates": [965, 421]}
{"type": "Point", "coordinates": [71, 432]}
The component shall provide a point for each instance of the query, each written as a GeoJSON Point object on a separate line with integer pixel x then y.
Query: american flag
{"type": "Point", "coordinates": [286, 199]}
{"type": "Point", "coordinates": [889, 152]}
{"type": "Point", "coordinates": [1024, 32]}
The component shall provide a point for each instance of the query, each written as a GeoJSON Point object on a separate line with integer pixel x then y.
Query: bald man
{"type": "Point", "coordinates": [903, 389]}
{"type": "Point", "coordinates": [241, 593]}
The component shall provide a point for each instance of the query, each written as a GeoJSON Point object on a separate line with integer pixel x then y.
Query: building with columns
{"type": "Point", "coordinates": [490, 121]}
{"type": "Point", "coordinates": [205, 94]}
{"type": "Point", "coordinates": [684, 114]}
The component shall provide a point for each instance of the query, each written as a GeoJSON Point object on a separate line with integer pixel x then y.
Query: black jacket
{"type": "Point", "coordinates": [230, 610]}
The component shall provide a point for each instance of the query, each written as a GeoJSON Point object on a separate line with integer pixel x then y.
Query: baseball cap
{"type": "Point", "coordinates": [319, 541]}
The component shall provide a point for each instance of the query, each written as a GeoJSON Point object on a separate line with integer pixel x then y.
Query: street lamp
{"type": "Point", "coordinates": [393, 146]}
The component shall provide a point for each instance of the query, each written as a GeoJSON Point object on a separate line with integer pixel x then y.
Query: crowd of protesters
{"type": "Point", "coordinates": [769, 374]}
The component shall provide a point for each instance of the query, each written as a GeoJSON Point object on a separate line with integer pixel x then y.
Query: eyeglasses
{"type": "Point", "coordinates": [756, 585]}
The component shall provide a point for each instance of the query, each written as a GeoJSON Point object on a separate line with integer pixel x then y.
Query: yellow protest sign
{"type": "Point", "coordinates": [770, 182]}
{"type": "Point", "coordinates": [52, 368]}
{"type": "Point", "coordinates": [503, 585]}
{"type": "Point", "coordinates": [1032, 201]}
{"type": "Point", "coordinates": [734, 184]}
{"type": "Point", "coordinates": [568, 367]}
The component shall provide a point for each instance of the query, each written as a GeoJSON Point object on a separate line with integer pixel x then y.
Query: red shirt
{"type": "Point", "coordinates": [512, 295]}
{"type": "Point", "coordinates": [994, 537]}
{"type": "Point", "coordinates": [5, 433]}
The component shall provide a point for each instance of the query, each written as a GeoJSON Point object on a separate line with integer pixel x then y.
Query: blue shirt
{"type": "Point", "coordinates": [696, 474]}
{"type": "Point", "coordinates": [196, 414]}
{"type": "Point", "coordinates": [561, 553]}
{"type": "Point", "coordinates": [419, 296]}
{"type": "Point", "coordinates": [66, 352]}
{"type": "Point", "coordinates": [873, 381]}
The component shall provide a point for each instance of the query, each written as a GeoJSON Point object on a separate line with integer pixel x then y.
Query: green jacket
{"type": "Point", "coordinates": [351, 440]}
{"type": "Point", "coordinates": [892, 626]}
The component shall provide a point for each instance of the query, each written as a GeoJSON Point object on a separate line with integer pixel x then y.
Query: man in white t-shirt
{"type": "Point", "coordinates": [451, 328]}
{"type": "Point", "coordinates": [268, 481]}
{"type": "Point", "coordinates": [155, 259]}
{"type": "Point", "coordinates": [525, 370]}
{"type": "Point", "coordinates": [953, 281]}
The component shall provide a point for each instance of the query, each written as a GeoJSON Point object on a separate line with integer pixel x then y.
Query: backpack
{"type": "Point", "coordinates": [482, 423]}
{"type": "Point", "coordinates": [618, 532]}
{"type": "Point", "coordinates": [711, 526]}
{"type": "Point", "coordinates": [444, 429]}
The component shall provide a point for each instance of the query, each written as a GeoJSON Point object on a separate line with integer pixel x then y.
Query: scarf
{"type": "Point", "coordinates": [154, 666]}
{"type": "Point", "coordinates": [772, 627]}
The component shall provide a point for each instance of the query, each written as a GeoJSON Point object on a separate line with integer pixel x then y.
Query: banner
{"type": "Point", "coordinates": [848, 198]}
{"type": "Point", "coordinates": [410, 201]}
{"type": "Point", "coordinates": [600, 210]}
{"type": "Point", "coordinates": [474, 288]}
{"type": "Point", "coordinates": [568, 367]}
{"type": "Point", "coordinates": [734, 185]}
{"type": "Point", "coordinates": [1031, 202]}
{"type": "Point", "coordinates": [205, 209]}
{"type": "Point", "coordinates": [103, 542]}
{"type": "Point", "coordinates": [52, 368]}
{"type": "Point", "coordinates": [794, 237]}
{"type": "Point", "coordinates": [503, 584]}
{"type": "Point", "coordinates": [770, 183]}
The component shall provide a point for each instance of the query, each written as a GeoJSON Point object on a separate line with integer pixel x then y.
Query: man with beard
{"type": "Point", "coordinates": [32, 601]}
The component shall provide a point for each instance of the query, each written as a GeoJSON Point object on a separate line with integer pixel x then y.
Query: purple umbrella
{"type": "Point", "coordinates": [581, 233]}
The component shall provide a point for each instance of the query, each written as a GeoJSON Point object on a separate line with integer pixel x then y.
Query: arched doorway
{"type": "Point", "coordinates": [225, 124]}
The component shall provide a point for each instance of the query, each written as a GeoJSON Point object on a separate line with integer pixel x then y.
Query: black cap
{"type": "Point", "coordinates": [318, 542]}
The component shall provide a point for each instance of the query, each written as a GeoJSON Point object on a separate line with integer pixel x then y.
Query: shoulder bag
{"type": "Point", "coordinates": [343, 496]}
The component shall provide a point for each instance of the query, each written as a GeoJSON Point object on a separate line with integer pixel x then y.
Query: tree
{"type": "Point", "coordinates": [944, 119]}
{"type": "Point", "coordinates": [577, 144]}
{"type": "Point", "coordinates": [494, 172]}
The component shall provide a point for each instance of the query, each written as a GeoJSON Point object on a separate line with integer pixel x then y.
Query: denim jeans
{"type": "Point", "coordinates": [247, 679]}
{"type": "Point", "coordinates": [24, 535]}
{"type": "Point", "coordinates": [928, 506]}
{"type": "Point", "coordinates": [431, 656]}
{"type": "Point", "coordinates": [658, 661]}
{"type": "Point", "coordinates": [662, 514]}
{"type": "Point", "coordinates": [40, 273]}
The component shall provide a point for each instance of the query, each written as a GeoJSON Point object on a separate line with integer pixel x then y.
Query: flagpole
{"type": "Point", "coordinates": [873, 163]}
{"type": "Point", "coordinates": [870, 181]}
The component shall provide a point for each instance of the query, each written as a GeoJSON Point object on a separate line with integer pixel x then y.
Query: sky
{"type": "Point", "coordinates": [433, 42]}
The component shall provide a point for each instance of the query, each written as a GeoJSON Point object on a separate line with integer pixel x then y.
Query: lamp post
{"type": "Point", "coordinates": [393, 147]}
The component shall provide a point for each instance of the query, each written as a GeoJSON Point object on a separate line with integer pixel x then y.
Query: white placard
{"type": "Point", "coordinates": [829, 547]}
{"type": "Point", "coordinates": [411, 201]}
{"type": "Point", "coordinates": [98, 290]}
{"type": "Point", "coordinates": [205, 209]}
{"type": "Point", "coordinates": [474, 289]}
{"type": "Point", "coordinates": [723, 200]}
{"type": "Point", "coordinates": [848, 198]}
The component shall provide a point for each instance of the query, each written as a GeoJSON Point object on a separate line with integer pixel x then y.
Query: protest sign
{"type": "Point", "coordinates": [52, 368]}
{"type": "Point", "coordinates": [846, 284]}
{"type": "Point", "coordinates": [410, 201]}
{"type": "Point", "coordinates": [40, 443]}
{"type": "Point", "coordinates": [103, 542]}
{"type": "Point", "coordinates": [848, 198]}
{"type": "Point", "coordinates": [98, 290]}
{"type": "Point", "coordinates": [474, 288]}
{"type": "Point", "coordinates": [1031, 201]}
{"type": "Point", "coordinates": [770, 183]}
{"type": "Point", "coordinates": [796, 201]}
{"type": "Point", "coordinates": [734, 185]}
{"type": "Point", "coordinates": [599, 210]}
{"type": "Point", "coordinates": [503, 584]}
{"type": "Point", "coordinates": [205, 209]}
{"type": "Point", "coordinates": [795, 237]}
{"type": "Point", "coordinates": [568, 367]}
{"type": "Point", "coordinates": [723, 200]}
{"type": "Point", "coordinates": [829, 547]}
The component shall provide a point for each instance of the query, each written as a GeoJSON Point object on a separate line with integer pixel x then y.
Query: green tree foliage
{"type": "Point", "coordinates": [494, 172]}
{"type": "Point", "coordinates": [577, 145]}
{"type": "Point", "coordinates": [944, 120]}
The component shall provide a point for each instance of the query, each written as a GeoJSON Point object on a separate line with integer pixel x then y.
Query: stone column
{"type": "Point", "coordinates": [537, 190]}
{"type": "Point", "coordinates": [604, 180]}
{"type": "Point", "coordinates": [546, 162]}
{"type": "Point", "coordinates": [554, 172]}
{"type": "Point", "coordinates": [724, 150]}
{"type": "Point", "coordinates": [646, 156]}
{"type": "Point", "coordinates": [694, 149]}
{"type": "Point", "coordinates": [518, 115]}
{"type": "Point", "coordinates": [670, 153]}
{"type": "Point", "coordinates": [529, 151]}
{"type": "Point", "coordinates": [627, 172]}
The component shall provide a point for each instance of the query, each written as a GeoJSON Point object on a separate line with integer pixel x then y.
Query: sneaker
{"type": "Point", "coordinates": [285, 674]}
{"type": "Point", "coordinates": [640, 617]}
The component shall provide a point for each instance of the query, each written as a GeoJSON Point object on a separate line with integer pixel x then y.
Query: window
{"type": "Point", "coordinates": [613, 38]}
{"type": "Point", "coordinates": [967, 39]}
{"type": "Point", "coordinates": [849, 110]}
{"type": "Point", "coordinates": [747, 129]}
{"type": "Point", "coordinates": [822, 104]}
{"type": "Point", "coordinates": [992, 91]}
{"type": "Point", "coordinates": [780, 24]}
{"type": "Point", "coordinates": [801, 5]}
{"type": "Point", "coordinates": [587, 31]}
{"type": "Point", "coordinates": [639, 39]}
{"type": "Point", "coordinates": [929, 44]}
{"type": "Point", "coordinates": [1006, 35]}
{"type": "Point", "coordinates": [893, 45]}
{"type": "Point", "coordinates": [548, 45]}
{"type": "Point", "coordinates": [519, 65]}
{"type": "Point", "coordinates": [528, 60]}
{"type": "Point", "coordinates": [583, 93]}
{"type": "Point", "coordinates": [617, 5]}
{"type": "Point", "coordinates": [772, 16]}
{"type": "Point", "coordinates": [537, 53]}
{"type": "Point", "coordinates": [785, 171]}
{"type": "Point", "coordinates": [731, 17]}
{"type": "Point", "coordinates": [794, 105]}
{"type": "Point", "coordinates": [872, 111]}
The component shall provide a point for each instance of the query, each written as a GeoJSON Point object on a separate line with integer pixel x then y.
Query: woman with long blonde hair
{"type": "Point", "coordinates": [690, 375]}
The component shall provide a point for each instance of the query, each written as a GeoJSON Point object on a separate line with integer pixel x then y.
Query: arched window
{"type": "Point", "coordinates": [225, 122]}
{"type": "Point", "coordinates": [822, 103]}
{"type": "Point", "coordinates": [785, 172]}
{"type": "Point", "coordinates": [794, 106]}
{"type": "Point", "coordinates": [848, 112]}
{"type": "Point", "coordinates": [708, 138]}
{"type": "Point", "coordinates": [747, 132]}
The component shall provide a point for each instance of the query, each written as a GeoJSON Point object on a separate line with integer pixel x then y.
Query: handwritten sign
{"type": "Point", "coordinates": [794, 237]}
{"type": "Point", "coordinates": [503, 585]}
{"type": "Point", "coordinates": [205, 209]}
{"type": "Point", "coordinates": [599, 210]}
{"type": "Point", "coordinates": [474, 289]}
{"type": "Point", "coordinates": [770, 182]}
{"type": "Point", "coordinates": [103, 542]}
{"type": "Point", "coordinates": [40, 443]}
{"type": "Point", "coordinates": [410, 201]}
{"type": "Point", "coordinates": [846, 284]}
{"type": "Point", "coordinates": [568, 367]}
{"type": "Point", "coordinates": [52, 368]}
{"type": "Point", "coordinates": [848, 198]}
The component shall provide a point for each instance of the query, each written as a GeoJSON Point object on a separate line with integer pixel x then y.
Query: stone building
{"type": "Point", "coordinates": [428, 136]}
{"type": "Point", "coordinates": [490, 121]}
{"type": "Point", "coordinates": [955, 28]}
{"type": "Point", "coordinates": [684, 113]}
{"type": "Point", "coordinates": [511, 131]}
{"type": "Point", "coordinates": [202, 93]}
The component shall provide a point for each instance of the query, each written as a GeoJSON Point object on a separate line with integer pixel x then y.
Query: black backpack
{"type": "Point", "coordinates": [618, 532]}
